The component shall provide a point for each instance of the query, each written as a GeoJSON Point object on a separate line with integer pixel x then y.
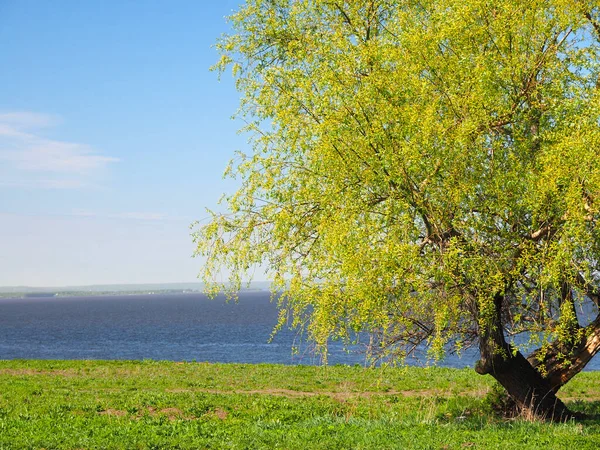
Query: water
{"type": "Point", "coordinates": [176, 327]}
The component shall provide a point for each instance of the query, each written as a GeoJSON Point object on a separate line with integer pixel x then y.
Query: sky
{"type": "Point", "coordinates": [114, 135]}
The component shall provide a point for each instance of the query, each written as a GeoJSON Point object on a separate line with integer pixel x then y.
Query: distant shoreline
{"type": "Point", "coordinates": [60, 294]}
{"type": "Point", "coordinates": [92, 293]}
{"type": "Point", "coordinates": [115, 289]}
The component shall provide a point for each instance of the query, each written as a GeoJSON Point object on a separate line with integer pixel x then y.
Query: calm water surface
{"type": "Point", "coordinates": [179, 327]}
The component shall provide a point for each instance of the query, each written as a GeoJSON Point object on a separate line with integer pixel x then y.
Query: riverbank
{"type": "Point", "coordinates": [148, 404]}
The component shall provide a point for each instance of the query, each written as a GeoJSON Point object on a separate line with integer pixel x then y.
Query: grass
{"type": "Point", "coordinates": [148, 404]}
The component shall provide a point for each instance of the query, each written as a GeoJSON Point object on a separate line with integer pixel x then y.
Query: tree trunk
{"type": "Point", "coordinates": [559, 365]}
{"type": "Point", "coordinates": [533, 395]}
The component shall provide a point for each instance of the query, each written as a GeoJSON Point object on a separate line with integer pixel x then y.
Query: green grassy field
{"type": "Point", "coordinates": [115, 404]}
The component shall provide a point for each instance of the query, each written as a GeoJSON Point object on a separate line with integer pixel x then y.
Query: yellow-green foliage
{"type": "Point", "coordinates": [412, 159]}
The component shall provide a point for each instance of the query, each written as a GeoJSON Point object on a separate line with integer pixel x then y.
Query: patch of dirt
{"type": "Point", "coordinates": [20, 372]}
{"type": "Point", "coordinates": [218, 413]}
{"type": "Point", "coordinates": [113, 412]}
{"type": "Point", "coordinates": [173, 413]}
{"type": "Point", "coordinates": [338, 395]}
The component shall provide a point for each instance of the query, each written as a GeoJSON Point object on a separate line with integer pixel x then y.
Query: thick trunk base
{"type": "Point", "coordinates": [533, 397]}
{"type": "Point", "coordinates": [532, 383]}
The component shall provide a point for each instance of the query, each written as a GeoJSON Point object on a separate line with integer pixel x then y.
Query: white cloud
{"type": "Point", "coordinates": [28, 159]}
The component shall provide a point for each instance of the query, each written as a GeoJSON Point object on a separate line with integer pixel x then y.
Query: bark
{"type": "Point", "coordinates": [532, 394]}
{"type": "Point", "coordinates": [560, 364]}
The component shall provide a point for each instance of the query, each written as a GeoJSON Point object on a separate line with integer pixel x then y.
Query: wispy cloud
{"type": "Point", "coordinates": [28, 120]}
{"type": "Point", "coordinates": [86, 214]}
{"type": "Point", "coordinates": [132, 215]}
{"type": "Point", "coordinates": [128, 216]}
{"type": "Point", "coordinates": [28, 159]}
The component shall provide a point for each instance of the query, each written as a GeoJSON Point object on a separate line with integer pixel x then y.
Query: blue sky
{"type": "Point", "coordinates": [114, 136]}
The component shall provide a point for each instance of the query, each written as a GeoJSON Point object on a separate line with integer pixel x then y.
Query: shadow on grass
{"type": "Point", "coordinates": [589, 409]}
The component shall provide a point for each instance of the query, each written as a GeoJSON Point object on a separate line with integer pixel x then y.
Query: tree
{"type": "Point", "coordinates": [424, 172]}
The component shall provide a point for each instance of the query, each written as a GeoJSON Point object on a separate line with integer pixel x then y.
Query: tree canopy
{"type": "Point", "coordinates": [425, 172]}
